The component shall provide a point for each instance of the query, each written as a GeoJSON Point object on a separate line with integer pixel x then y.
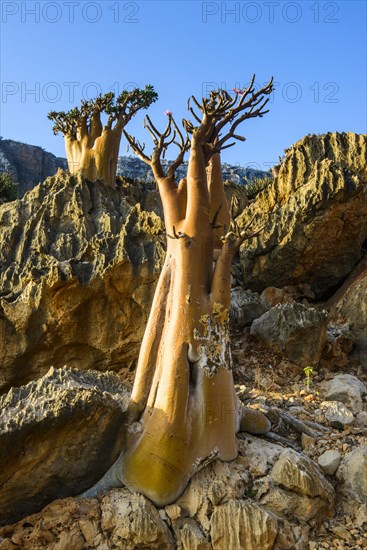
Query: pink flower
{"type": "Point", "coordinates": [237, 91]}
{"type": "Point", "coordinates": [167, 112]}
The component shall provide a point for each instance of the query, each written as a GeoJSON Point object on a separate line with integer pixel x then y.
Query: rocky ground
{"type": "Point", "coordinates": [278, 387]}
{"type": "Point", "coordinates": [302, 486]}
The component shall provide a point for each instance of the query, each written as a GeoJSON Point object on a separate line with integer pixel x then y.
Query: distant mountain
{"type": "Point", "coordinates": [133, 167]}
{"type": "Point", "coordinates": [31, 165]}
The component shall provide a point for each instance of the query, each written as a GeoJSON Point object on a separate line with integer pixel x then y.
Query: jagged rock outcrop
{"type": "Point", "coordinates": [58, 436]}
{"type": "Point", "coordinates": [29, 164]}
{"type": "Point", "coordinates": [245, 307]}
{"type": "Point", "coordinates": [314, 216]}
{"type": "Point", "coordinates": [226, 505]}
{"type": "Point", "coordinates": [78, 266]}
{"type": "Point", "coordinates": [293, 330]}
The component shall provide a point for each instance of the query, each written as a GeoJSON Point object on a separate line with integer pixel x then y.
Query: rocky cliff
{"type": "Point", "coordinates": [78, 263]}
{"type": "Point", "coordinates": [29, 164]}
{"type": "Point", "coordinates": [314, 216]}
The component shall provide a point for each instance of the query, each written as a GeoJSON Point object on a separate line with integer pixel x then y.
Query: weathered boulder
{"type": "Point", "coordinates": [352, 306]}
{"type": "Point", "coordinates": [131, 521]}
{"type": "Point", "coordinates": [337, 413]}
{"type": "Point", "coordinates": [293, 330]}
{"type": "Point", "coordinates": [273, 296]}
{"type": "Point", "coordinates": [245, 307]}
{"type": "Point", "coordinates": [329, 461]}
{"type": "Point", "coordinates": [314, 216]}
{"type": "Point", "coordinates": [254, 421]}
{"type": "Point", "coordinates": [78, 266]}
{"type": "Point", "coordinates": [189, 535]}
{"type": "Point", "coordinates": [345, 388]}
{"type": "Point", "coordinates": [352, 474]}
{"type": "Point", "coordinates": [296, 487]}
{"type": "Point", "coordinates": [239, 524]}
{"type": "Point", "coordinates": [58, 436]}
{"type": "Point", "coordinates": [339, 345]}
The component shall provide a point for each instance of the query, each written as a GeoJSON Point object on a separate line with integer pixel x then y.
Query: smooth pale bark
{"type": "Point", "coordinates": [94, 153]}
{"type": "Point", "coordinates": [183, 397]}
{"type": "Point", "coordinates": [184, 411]}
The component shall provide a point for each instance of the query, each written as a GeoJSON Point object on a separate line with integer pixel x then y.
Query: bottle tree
{"type": "Point", "coordinates": [92, 147]}
{"type": "Point", "coordinates": [183, 410]}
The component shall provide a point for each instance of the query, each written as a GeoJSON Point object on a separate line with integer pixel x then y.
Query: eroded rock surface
{"type": "Point", "coordinates": [347, 389]}
{"type": "Point", "coordinates": [352, 474]}
{"type": "Point", "coordinates": [58, 436]}
{"type": "Point", "coordinates": [293, 330]}
{"type": "Point", "coordinates": [78, 266]}
{"type": "Point", "coordinates": [245, 307]}
{"type": "Point", "coordinates": [315, 215]}
{"type": "Point", "coordinates": [352, 305]}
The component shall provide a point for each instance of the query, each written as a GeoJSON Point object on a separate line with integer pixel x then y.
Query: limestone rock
{"type": "Point", "coordinates": [254, 422]}
{"type": "Point", "coordinates": [273, 296]}
{"type": "Point", "coordinates": [352, 305]}
{"type": "Point", "coordinates": [293, 330]}
{"type": "Point", "coordinates": [296, 487]}
{"type": "Point", "coordinates": [58, 436]}
{"type": "Point", "coordinates": [69, 519]}
{"type": "Point", "coordinates": [238, 524]}
{"type": "Point", "coordinates": [337, 413]}
{"type": "Point", "coordinates": [131, 521]}
{"type": "Point", "coordinates": [315, 216]}
{"type": "Point", "coordinates": [339, 344]}
{"type": "Point", "coordinates": [245, 307]}
{"type": "Point", "coordinates": [189, 535]}
{"type": "Point", "coordinates": [352, 474]}
{"type": "Point", "coordinates": [258, 455]}
{"type": "Point", "coordinates": [329, 461]}
{"type": "Point", "coordinates": [345, 388]}
{"type": "Point", "coordinates": [361, 419]}
{"type": "Point", "coordinates": [78, 266]}
{"type": "Point", "coordinates": [211, 486]}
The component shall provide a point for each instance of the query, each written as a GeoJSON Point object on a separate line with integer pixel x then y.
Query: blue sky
{"type": "Point", "coordinates": [53, 53]}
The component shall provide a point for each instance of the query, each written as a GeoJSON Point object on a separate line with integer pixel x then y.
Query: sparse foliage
{"type": "Point", "coordinates": [91, 147]}
{"type": "Point", "coordinates": [308, 374]}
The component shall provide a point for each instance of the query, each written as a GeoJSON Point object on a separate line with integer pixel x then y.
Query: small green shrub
{"type": "Point", "coordinates": [8, 187]}
{"type": "Point", "coordinates": [308, 374]}
{"type": "Point", "coordinates": [254, 187]}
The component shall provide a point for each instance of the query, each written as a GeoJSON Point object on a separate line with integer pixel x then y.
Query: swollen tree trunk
{"type": "Point", "coordinates": [95, 155]}
{"type": "Point", "coordinates": [184, 411]}
{"type": "Point", "coordinates": [91, 147]}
